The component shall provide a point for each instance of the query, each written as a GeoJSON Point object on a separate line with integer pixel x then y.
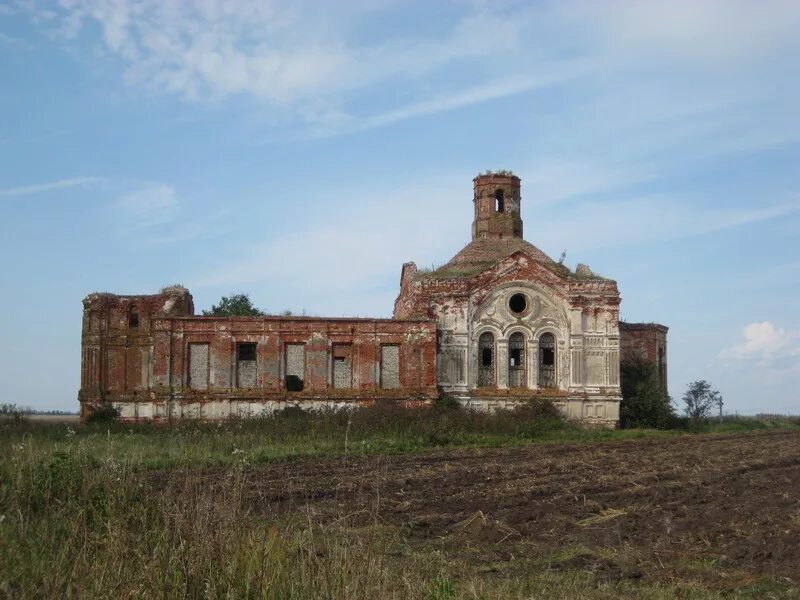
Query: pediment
{"type": "Point", "coordinates": [544, 305]}
{"type": "Point", "coordinates": [520, 267]}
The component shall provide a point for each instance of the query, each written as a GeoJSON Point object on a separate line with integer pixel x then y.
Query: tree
{"type": "Point", "coordinates": [699, 399]}
{"type": "Point", "coordinates": [238, 305]}
{"type": "Point", "coordinates": [644, 402]}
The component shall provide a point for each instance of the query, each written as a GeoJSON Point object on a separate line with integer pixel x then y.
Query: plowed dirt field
{"type": "Point", "coordinates": [733, 498]}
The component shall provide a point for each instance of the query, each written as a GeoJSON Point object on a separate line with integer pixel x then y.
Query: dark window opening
{"type": "Point", "coordinates": [518, 303]}
{"type": "Point", "coordinates": [547, 361]}
{"type": "Point", "coordinates": [548, 357]}
{"type": "Point", "coordinates": [499, 201]}
{"type": "Point", "coordinates": [486, 357]}
{"type": "Point", "coordinates": [133, 317]}
{"type": "Point", "coordinates": [294, 383]}
{"type": "Point", "coordinates": [486, 360]}
{"type": "Point", "coordinates": [516, 360]}
{"type": "Point", "coordinates": [247, 351]}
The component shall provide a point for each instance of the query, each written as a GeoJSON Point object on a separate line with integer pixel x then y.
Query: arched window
{"type": "Point", "coordinates": [499, 201]}
{"type": "Point", "coordinates": [486, 360]}
{"type": "Point", "coordinates": [516, 360]}
{"type": "Point", "coordinates": [547, 361]}
{"type": "Point", "coordinates": [133, 317]}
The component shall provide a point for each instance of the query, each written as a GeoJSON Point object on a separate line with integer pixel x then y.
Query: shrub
{"type": "Point", "coordinates": [644, 401]}
{"type": "Point", "coordinates": [292, 412]}
{"type": "Point", "coordinates": [447, 403]}
{"type": "Point", "coordinates": [105, 413]}
{"type": "Point", "coordinates": [538, 409]}
{"type": "Point", "coordinates": [700, 399]}
{"type": "Point", "coordinates": [11, 411]}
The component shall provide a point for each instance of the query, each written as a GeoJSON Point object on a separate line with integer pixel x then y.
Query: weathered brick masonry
{"type": "Point", "coordinates": [501, 321]}
{"type": "Point", "coordinates": [151, 357]}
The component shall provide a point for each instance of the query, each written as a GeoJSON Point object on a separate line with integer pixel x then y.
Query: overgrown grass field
{"type": "Point", "coordinates": [81, 516]}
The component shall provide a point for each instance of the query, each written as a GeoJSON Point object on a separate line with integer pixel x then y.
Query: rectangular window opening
{"type": "Point", "coordinates": [247, 351]}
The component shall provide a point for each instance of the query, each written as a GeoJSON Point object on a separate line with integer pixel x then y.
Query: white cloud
{"type": "Point", "coordinates": [151, 205]}
{"type": "Point", "coordinates": [49, 186]}
{"type": "Point", "coordinates": [317, 62]}
{"type": "Point", "coordinates": [761, 340]}
{"type": "Point", "coordinates": [774, 351]}
{"type": "Point", "coordinates": [278, 51]}
{"type": "Point", "coordinates": [705, 33]}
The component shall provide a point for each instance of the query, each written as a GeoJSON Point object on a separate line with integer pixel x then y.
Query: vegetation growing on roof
{"type": "Point", "coordinates": [237, 305]}
{"type": "Point", "coordinates": [503, 172]}
{"type": "Point", "coordinates": [587, 276]}
{"type": "Point", "coordinates": [174, 289]}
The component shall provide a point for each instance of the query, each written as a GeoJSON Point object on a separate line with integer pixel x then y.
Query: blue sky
{"type": "Point", "coordinates": [302, 151]}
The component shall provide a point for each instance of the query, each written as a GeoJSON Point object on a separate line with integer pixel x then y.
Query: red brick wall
{"type": "Point", "coordinates": [125, 364]}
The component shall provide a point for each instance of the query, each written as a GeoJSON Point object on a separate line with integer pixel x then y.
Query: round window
{"type": "Point", "coordinates": [518, 303]}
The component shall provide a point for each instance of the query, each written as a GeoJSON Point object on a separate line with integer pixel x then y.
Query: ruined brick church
{"type": "Point", "coordinates": [499, 323]}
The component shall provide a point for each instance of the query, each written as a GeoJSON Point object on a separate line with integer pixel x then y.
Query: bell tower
{"type": "Point", "coordinates": [497, 207]}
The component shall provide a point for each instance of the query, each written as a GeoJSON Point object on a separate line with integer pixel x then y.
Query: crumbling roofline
{"type": "Point", "coordinates": [254, 319]}
{"type": "Point", "coordinates": [644, 326]}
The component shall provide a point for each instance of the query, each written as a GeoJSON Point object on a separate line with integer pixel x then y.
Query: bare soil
{"type": "Point", "coordinates": [733, 499]}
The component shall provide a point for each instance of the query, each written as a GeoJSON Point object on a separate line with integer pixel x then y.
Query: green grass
{"type": "Point", "coordinates": [291, 434]}
{"type": "Point", "coordinates": [78, 518]}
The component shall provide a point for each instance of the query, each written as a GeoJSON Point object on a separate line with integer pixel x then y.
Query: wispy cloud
{"type": "Point", "coordinates": [344, 123]}
{"type": "Point", "coordinates": [558, 179]}
{"type": "Point", "coordinates": [154, 213]}
{"type": "Point", "coordinates": [14, 43]}
{"type": "Point", "coordinates": [342, 260]}
{"type": "Point", "coordinates": [154, 204]}
{"type": "Point", "coordinates": [193, 228]}
{"type": "Point", "coordinates": [594, 225]}
{"type": "Point", "coordinates": [312, 64]}
{"type": "Point", "coordinates": [706, 34]}
{"type": "Point", "coordinates": [38, 188]}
